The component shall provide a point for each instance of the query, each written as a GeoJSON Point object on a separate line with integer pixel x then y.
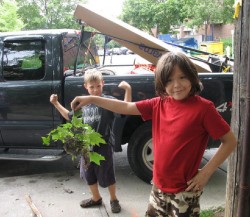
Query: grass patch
{"type": "Point", "coordinates": [212, 212]}
{"type": "Point", "coordinates": [206, 213]}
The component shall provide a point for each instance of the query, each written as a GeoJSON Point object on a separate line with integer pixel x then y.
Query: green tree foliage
{"type": "Point", "coordinates": [48, 14]}
{"type": "Point", "coordinates": [146, 14]}
{"type": "Point", "coordinates": [9, 19]}
{"type": "Point", "coordinates": [228, 11]}
{"type": "Point", "coordinates": [202, 12]}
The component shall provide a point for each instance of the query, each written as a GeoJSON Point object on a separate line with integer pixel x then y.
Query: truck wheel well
{"type": "Point", "coordinates": [140, 152]}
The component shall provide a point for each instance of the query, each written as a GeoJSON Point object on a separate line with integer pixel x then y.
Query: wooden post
{"type": "Point", "coordinates": [244, 187]}
{"type": "Point", "coordinates": [237, 168]}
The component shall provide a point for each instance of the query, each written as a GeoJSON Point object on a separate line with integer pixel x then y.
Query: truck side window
{"type": "Point", "coordinates": [24, 60]}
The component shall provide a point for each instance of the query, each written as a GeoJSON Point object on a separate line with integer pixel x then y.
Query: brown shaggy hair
{"type": "Point", "coordinates": [165, 68]}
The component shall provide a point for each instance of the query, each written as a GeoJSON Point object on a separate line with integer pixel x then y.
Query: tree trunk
{"type": "Point", "coordinates": [237, 190]}
{"type": "Point", "coordinates": [206, 26]}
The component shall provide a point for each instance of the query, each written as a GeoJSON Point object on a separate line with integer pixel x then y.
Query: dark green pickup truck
{"type": "Point", "coordinates": [35, 64]}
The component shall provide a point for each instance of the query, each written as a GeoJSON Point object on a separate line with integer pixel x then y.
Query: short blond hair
{"type": "Point", "coordinates": [92, 75]}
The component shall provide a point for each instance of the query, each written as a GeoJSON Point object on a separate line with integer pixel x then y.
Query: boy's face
{"type": "Point", "coordinates": [178, 85]}
{"type": "Point", "coordinates": [94, 87]}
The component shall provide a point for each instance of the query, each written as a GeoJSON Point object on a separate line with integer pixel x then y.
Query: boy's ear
{"type": "Point", "coordinates": [85, 86]}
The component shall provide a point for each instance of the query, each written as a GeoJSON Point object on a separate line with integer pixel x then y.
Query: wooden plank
{"type": "Point", "coordinates": [33, 206]}
{"type": "Point", "coordinates": [141, 43]}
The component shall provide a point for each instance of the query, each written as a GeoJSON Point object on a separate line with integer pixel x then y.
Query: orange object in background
{"type": "Point", "coordinates": [143, 69]}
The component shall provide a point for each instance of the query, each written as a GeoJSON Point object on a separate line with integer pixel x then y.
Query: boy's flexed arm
{"type": "Point", "coordinates": [128, 92]}
{"type": "Point", "coordinates": [114, 105]}
{"type": "Point", "coordinates": [63, 111]}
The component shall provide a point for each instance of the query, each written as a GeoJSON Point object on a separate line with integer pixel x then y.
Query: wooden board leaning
{"type": "Point", "coordinates": [141, 43]}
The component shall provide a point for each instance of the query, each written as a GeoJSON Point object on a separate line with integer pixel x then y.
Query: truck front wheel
{"type": "Point", "coordinates": [140, 152]}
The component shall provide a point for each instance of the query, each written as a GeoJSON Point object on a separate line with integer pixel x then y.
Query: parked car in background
{"type": "Point", "coordinates": [108, 52]}
{"type": "Point", "coordinates": [100, 52]}
{"type": "Point", "coordinates": [116, 51]}
{"type": "Point", "coordinates": [130, 52]}
{"type": "Point", "coordinates": [123, 50]}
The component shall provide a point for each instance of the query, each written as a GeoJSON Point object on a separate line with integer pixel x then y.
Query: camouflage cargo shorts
{"type": "Point", "coordinates": [182, 204]}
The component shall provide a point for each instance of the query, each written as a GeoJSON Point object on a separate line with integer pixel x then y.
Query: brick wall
{"type": "Point", "coordinates": [220, 31]}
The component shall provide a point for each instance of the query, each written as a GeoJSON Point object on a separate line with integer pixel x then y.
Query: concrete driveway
{"type": "Point", "coordinates": [56, 189]}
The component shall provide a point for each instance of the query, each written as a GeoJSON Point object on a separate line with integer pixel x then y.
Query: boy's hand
{"type": "Point", "coordinates": [79, 102]}
{"type": "Point", "coordinates": [124, 85]}
{"type": "Point", "coordinates": [54, 99]}
{"type": "Point", "coordinates": [198, 182]}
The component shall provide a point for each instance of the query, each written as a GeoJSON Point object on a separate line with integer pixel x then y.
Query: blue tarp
{"type": "Point", "coordinates": [188, 42]}
{"type": "Point", "coordinates": [166, 38]}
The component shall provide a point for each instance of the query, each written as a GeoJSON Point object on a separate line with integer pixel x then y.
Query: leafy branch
{"type": "Point", "coordinates": [78, 140]}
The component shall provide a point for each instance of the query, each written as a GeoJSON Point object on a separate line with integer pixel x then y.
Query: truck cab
{"type": "Point", "coordinates": [32, 67]}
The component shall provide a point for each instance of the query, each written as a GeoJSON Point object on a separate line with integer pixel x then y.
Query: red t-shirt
{"type": "Point", "coordinates": [180, 130]}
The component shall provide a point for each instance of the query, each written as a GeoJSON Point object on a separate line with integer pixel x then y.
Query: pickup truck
{"type": "Point", "coordinates": [35, 64]}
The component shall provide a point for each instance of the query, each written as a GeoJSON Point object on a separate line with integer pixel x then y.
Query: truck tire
{"type": "Point", "coordinates": [140, 152]}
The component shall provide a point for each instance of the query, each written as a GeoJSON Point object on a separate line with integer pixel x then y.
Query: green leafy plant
{"type": "Point", "coordinates": [78, 140]}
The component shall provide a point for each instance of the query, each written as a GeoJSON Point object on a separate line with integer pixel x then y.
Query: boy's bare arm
{"type": "Point", "coordinates": [114, 105]}
{"type": "Point", "coordinates": [63, 111]}
{"type": "Point", "coordinates": [128, 92]}
{"type": "Point", "coordinates": [228, 144]}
